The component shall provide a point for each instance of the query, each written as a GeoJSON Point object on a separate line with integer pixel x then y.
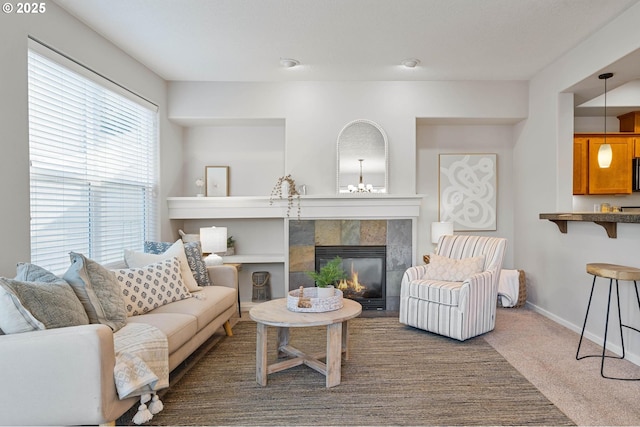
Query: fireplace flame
{"type": "Point", "coordinates": [352, 284]}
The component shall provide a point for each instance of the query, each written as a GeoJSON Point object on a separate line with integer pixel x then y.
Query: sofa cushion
{"type": "Point", "coordinates": [97, 290]}
{"type": "Point", "coordinates": [136, 259]}
{"type": "Point", "coordinates": [193, 251]}
{"type": "Point", "coordinates": [452, 270]}
{"type": "Point", "coordinates": [217, 299]}
{"type": "Point", "coordinates": [26, 302]}
{"type": "Point", "coordinates": [179, 328]}
{"type": "Point", "coordinates": [151, 286]}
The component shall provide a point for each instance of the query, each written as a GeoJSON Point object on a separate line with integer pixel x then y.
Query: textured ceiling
{"type": "Point", "coordinates": [243, 40]}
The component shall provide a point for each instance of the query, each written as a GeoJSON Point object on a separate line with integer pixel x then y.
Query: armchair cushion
{"type": "Point", "coordinates": [452, 270]}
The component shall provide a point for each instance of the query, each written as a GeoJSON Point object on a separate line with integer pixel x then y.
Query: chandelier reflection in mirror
{"type": "Point", "coordinates": [361, 187]}
{"type": "Point", "coordinates": [362, 159]}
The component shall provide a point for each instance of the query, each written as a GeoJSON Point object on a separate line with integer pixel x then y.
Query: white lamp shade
{"type": "Point", "coordinates": [213, 239]}
{"type": "Point", "coordinates": [439, 229]}
{"type": "Point", "coordinates": [605, 155]}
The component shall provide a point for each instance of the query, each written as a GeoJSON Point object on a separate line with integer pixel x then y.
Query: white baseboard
{"type": "Point", "coordinates": [631, 357]}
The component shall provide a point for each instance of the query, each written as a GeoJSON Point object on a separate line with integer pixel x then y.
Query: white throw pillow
{"type": "Point", "coordinates": [151, 286]}
{"type": "Point", "coordinates": [453, 270]}
{"type": "Point", "coordinates": [140, 259]}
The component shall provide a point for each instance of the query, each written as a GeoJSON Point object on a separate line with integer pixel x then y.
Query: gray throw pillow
{"type": "Point", "coordinates": [38, 299]}
{"type": "Point", "coordinates": [98, 290]}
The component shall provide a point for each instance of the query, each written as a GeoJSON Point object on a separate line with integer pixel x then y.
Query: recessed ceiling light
{"type": "Point", "coordinates": [288, 62]}
{"type": "Point", "coordinates": [410, 62]}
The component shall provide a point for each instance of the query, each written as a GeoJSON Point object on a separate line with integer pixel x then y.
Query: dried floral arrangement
{"type": "Point", "coordinates": [291, 193]}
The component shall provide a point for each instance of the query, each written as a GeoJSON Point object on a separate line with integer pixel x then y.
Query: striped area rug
{"type": "Point", "coordinates": [396, 375]}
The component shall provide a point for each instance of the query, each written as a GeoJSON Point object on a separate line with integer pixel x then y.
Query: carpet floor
{"type": "Point", "coordinates": [396, 375]}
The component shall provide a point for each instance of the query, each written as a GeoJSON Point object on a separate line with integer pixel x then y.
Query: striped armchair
{"type": "Point", "coordinates": [459, 310]}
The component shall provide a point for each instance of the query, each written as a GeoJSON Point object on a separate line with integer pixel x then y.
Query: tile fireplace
{"type": "Point", "coordinates": [379, 250]}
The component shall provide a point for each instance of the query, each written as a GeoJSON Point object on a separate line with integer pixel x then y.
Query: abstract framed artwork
{"type": "Point", "coordinates": [468, 191]}
{"type": "Point", "coordinates": [216, 181]}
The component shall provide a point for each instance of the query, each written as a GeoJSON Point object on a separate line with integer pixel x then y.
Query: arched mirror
{"type": "Point", "coordinates": [362, 158]}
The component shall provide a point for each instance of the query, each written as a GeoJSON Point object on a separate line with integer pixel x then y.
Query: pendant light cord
{"type": "Point", "coordinates": [605, 110]}
{"type": "Point", "coordinates": [605, 77]}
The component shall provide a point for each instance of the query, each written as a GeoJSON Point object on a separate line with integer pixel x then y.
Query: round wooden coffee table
{"type": "Point", "coordinates": [275, 313]}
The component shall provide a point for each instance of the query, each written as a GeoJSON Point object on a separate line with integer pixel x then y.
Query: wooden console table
{"type": "Point", "coordinates": [609, 221]}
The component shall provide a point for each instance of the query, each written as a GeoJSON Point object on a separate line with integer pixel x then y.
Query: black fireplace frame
{"type": "Point", "coordinates": [350, 251]}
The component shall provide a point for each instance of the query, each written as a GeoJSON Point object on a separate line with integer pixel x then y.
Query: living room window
{"type": "Point", "coordinates": [93, 163]}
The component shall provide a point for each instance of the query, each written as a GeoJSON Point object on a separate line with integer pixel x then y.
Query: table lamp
{"type": "Point", "coordinates": [439, 229]}
{"type": "Point", "coordinates": [213, 239]}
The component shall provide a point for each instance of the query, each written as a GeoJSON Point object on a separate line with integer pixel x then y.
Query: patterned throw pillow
{"type": "Point", "coordinates": [151, 286]}
{"type": "Point", "coordinates": [38, 299]}
{"type": "Point", "coordinates": [136, 259]}
{"type": "Point", "coordinates": [452, 270]}
{"type": "Point", "coordinates": [98, 291]}
{"type": "Point", "coordinates": [193, 250]}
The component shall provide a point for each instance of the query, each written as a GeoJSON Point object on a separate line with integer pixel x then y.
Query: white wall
{"type": "Point", "coordinates": [254, 154]}
{"type": "Point", "coordinates": [555, 262]}
{"type": "Point", "coordinates": [315, 112]}
{"type": "Point", "coordinates": [433, 140]}
{"type": "Point", "coordinates": [63, 32]}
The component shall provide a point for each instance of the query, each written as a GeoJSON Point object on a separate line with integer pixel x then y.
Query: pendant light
{"type": "Point", "coordinates": [605, 154]}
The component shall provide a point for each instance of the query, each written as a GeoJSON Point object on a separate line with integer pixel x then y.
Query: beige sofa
{"type": "Point", "coordinates": [64, 376]}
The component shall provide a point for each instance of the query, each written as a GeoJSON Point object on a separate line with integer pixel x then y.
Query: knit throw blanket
{"type": "Point", "coordinates": [142, 367]}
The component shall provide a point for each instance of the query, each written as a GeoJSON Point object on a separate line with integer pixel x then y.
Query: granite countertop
{"type": "Point", "coordinates": [608, 220]}
{"type": "Point", "coordinates": [593, 216]}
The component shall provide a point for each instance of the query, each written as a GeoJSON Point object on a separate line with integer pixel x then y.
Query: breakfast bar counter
{"type": "Point", "coordinates": [608, 220]}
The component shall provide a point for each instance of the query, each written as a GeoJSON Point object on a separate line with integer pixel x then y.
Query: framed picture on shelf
{"type": "Point", "coordinates": [468, 191]}
{"type": "Point", "coordinates": [216, 181]}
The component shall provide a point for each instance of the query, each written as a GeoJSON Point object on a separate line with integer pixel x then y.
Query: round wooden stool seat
{"type": "Point", "coordinates": [613, 271]}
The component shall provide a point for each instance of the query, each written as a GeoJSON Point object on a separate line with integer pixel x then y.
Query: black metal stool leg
{"type": "Point", "coordinates": [606, 329]}
{"type": "Point", "coordinates": [604, 344]}
{"type": "Point", "coordinates": [584, 325]}
{"type": "Point", "coordinates": [620, 319]}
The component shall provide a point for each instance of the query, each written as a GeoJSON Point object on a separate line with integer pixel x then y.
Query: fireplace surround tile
{"type": "Point", "coordinates": [373, 232]}
{"type": "Point", "coordinates": [301, 258]}
{"type": "Point", "coordinates": [350, 232]}
{"type": "Point", "coordinates": [301, 233]}
{"type": "Point", "coordinates": [399, 232]}
{"type": "Point", "coordinates": [327, 232]}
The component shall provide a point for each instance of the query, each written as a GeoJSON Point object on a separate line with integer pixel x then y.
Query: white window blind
{"type": "Point", "coordinates": [93, 168]}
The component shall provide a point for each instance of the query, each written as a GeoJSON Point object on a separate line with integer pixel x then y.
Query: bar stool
{"type": "Point", "coordinates": [617, 272]}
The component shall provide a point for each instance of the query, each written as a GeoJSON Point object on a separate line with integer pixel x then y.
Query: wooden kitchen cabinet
{"type": "Point", "coordinates": [589, 178]}
{"type": "Point", "coordinates": [580, 165]}
{"type": "Point", "coordinates": [630, 122]}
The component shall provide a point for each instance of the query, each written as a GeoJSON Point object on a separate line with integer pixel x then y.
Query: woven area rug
{"type": "Point", "coordinates": [396, 375]}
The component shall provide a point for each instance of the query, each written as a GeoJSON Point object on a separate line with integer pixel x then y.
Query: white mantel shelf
{"type": "Point", "coordinates": [311, 207]}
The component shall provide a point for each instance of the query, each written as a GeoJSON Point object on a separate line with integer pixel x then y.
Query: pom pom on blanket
{"type": "Point", "coordinates": [143, 414]}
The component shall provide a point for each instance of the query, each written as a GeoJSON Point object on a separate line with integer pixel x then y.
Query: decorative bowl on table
{"type": "Point", "coordinates": [306, 300]}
